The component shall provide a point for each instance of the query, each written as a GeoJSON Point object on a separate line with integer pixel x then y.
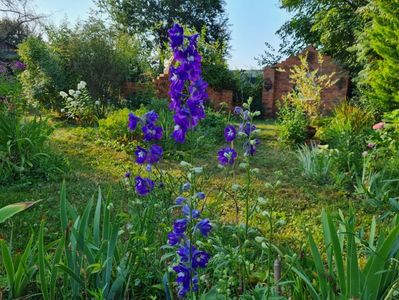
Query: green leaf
{"type": "Point", "coordinates": [97, 215]}
{"type": "Point", "coordinates": [8, 263]}
{"type": "Point", "coordinates": [42, 264]}
{"type": "Point", "coordinates": [377, 263]}
{"type": "Point", "coordinates": [69, 272]}
{"type": "Point", "coordinates": [319, 266]}
{"type": "Point", "coordinates": [336, 251]}
{"type": "Point", "coordinates": [8, 211]}
{"type": "Point", "coordinates": [63, 209]}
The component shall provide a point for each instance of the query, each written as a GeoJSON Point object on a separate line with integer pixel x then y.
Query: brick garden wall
{"type": "Point", "coordinates": [216, 97]}
{"type": "Point", "coordinates": [277, 84]}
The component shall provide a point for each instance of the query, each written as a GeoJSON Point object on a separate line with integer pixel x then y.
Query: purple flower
{"type": "Point", "coordinates": [150, 117]}
{"type": "Point", "coordinates": [133, 121]}
{"type": "Point", "coordinates": [128, 174]}
{"type": "Point", "coordinates": [230, 133]}
{"type": "Point", "coordinates": [180, 226]}
{"type": "Point", "coordinates": [180, 200]}
{"type": "Point", "coordinates": [176, 35]}
{"type": "Point", "coordinates": [371, 145]}
{"type": "Point", "coordinates": [143, 185]}
{"type": "Point", "coordinates": [183, 278]}
{"type": "Point", "coordinates": [238, 110]}
{"type": "Point", "coordinates": [173, 238]}
{"type": "Point", "coordinates": [186, 186]}
{"type": "Point", "coordinates": [200, 259]}
{"type": "Point", "coordinates": [247, 128]}
{"type": "Point", "coordinates": [186, 210]}
{"type": "Point", "coordinates": [19, 66]}
{"type": "Point", "coordinates": [182, 122]}
{"type": "Point", "coordinates": [250, 147]}
{"type": "Point", "coordinates": [201, 195]}
{"type": "Point", "coordinates": [179, 134]}
{"type": "Point", "coordinates": [227, 156]}
{"type": "Point", "coordinates": [195, 214]}
{"type": "Point", "coordinates": [155, 154]}
{"type": "Point", "coordinates": [187, 88]}
{"type": "Point", "coordinates": [184, 252]}
{"type": "Point", "coordinates": [198, 90]}
{"type": "Point", "coordinates": [152, 132]}
{"type": "Point", "coordinates": [141, 155]}
{"type": "Point", "coordinates": [204, 226]}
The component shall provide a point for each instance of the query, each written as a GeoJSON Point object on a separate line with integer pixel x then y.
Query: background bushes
{"type": "Point", "coordinates": [91, 52]}
{"type": "Point", "coordinates": [24, 149]}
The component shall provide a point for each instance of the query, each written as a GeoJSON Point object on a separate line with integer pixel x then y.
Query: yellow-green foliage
{"type": "Point", "coordinates": [114, 127]}
{"type": "Point", "coordinates": [309, 85]}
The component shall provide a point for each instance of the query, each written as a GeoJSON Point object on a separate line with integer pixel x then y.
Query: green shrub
{"type": "Point", "coordinates": [292, 124]}
{"type": "Point", "coordinates": [24, 149]}
{"type": "Point", "coordinates": [114, 127]}
{"type": "Point", "coordinates": [348, 132]}
{"type": "Point", "coordinates": [315, 162]}
{"type": "Point", "coordinates": [44, 75]}
{"type": "Point", "coordinates": [90, 51]}
{"type": "Point", "coordinates": [334, 271]}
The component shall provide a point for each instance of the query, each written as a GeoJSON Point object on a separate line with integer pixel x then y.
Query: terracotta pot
{"type": "Point", "coordinates": [311, 131]}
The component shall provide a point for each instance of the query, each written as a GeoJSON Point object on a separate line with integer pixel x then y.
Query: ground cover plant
{"type": "Point", "coordinates": [174, 200]}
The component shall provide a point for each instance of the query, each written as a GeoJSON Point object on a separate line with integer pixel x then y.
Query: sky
{"type": "Point", "coordinates": [252, 23]}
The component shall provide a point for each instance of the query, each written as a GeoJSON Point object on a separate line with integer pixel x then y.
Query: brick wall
{"type": "Point", "coordinates": [277, 84]}
{"type": "Point", "coordinates": [215, 97]}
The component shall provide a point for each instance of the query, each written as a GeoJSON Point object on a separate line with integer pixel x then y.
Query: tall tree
{"type": "Point", "coordinates": [155, 17]}
{"type": "Point", "coordinates": [17, 20]}
{"type": "Point", "coordinates": [379, 51]}
{"type": "Point", "coordinates": [331, 25]}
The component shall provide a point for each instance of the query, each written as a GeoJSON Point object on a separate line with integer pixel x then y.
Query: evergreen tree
{"type": "Point", "coordinates": [379, 50]}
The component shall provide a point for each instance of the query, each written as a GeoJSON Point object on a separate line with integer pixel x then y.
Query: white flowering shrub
{"type": "Point", "coordinates": [78, 104]}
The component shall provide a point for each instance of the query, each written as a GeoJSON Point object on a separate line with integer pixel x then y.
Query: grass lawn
{"type": "Point", "coordinates": [298, 201]}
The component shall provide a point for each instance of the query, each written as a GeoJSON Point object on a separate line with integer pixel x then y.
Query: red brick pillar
{"type": "Point", "coordinates": [268, 91]}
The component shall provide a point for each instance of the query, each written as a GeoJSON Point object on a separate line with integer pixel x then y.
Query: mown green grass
{"type": "Point", "coordinates": [298, 201]}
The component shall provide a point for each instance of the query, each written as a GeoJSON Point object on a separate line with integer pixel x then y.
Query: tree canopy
{"type": "Point", "coordinates": [331, 25]}
{"type": "Point", "coordinates": [155, 17]}
{"type": "Point", "coordinates": [378, 50]}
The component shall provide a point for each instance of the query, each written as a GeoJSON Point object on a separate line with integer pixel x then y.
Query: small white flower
{"type": "Point", "coordinates": [243, 165]}
{"type": "Point", "coordinates": [62, 110]}
{"type": "Point", "coordinates": [184, 163]}
{"type": "Point", "coordinates": [197, 170]}
{"type": "Point", "coordinates": [77, 93]}
{"type": "Point", "coordinates": [63, 94]}
{"type": "Point", "coordinates": [235, 187]}
{"type": "Point", "coordinates": [97, 102]}
{"type": "Point", "coordinates": [71, 92]}
{"type": "Point", "coordinates": [81, 85]}
{"type": "Point", "coordinates": [262, 200]}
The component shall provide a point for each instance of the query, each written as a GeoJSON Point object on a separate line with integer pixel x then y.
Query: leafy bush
{"type": "Point", "coordinates": [309, 85]}
{"type": "Point", "coordinates": [292, 124]}
{"type": "Point", "coordinates": [24, 149]}
{"type": "Point", "coordinates": [336, 273]}
{"type": "Point", "coordinates": [20, 267]}
{"type": "Point", "coordinates": [104, 58]}
{"type": "Point", "coordinates": [114, 127]}
{"type": "Point", "coordinates": [44, 76]}
{"type": "Point", "coordinates": [79, 106]}
{"type": "Point", "coordinates": [315, 162]}
{"type": "Point", "coordinates": [347, 132]}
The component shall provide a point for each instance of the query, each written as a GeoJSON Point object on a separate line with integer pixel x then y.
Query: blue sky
{"type": "Point", "coordinates": [252, 23]}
